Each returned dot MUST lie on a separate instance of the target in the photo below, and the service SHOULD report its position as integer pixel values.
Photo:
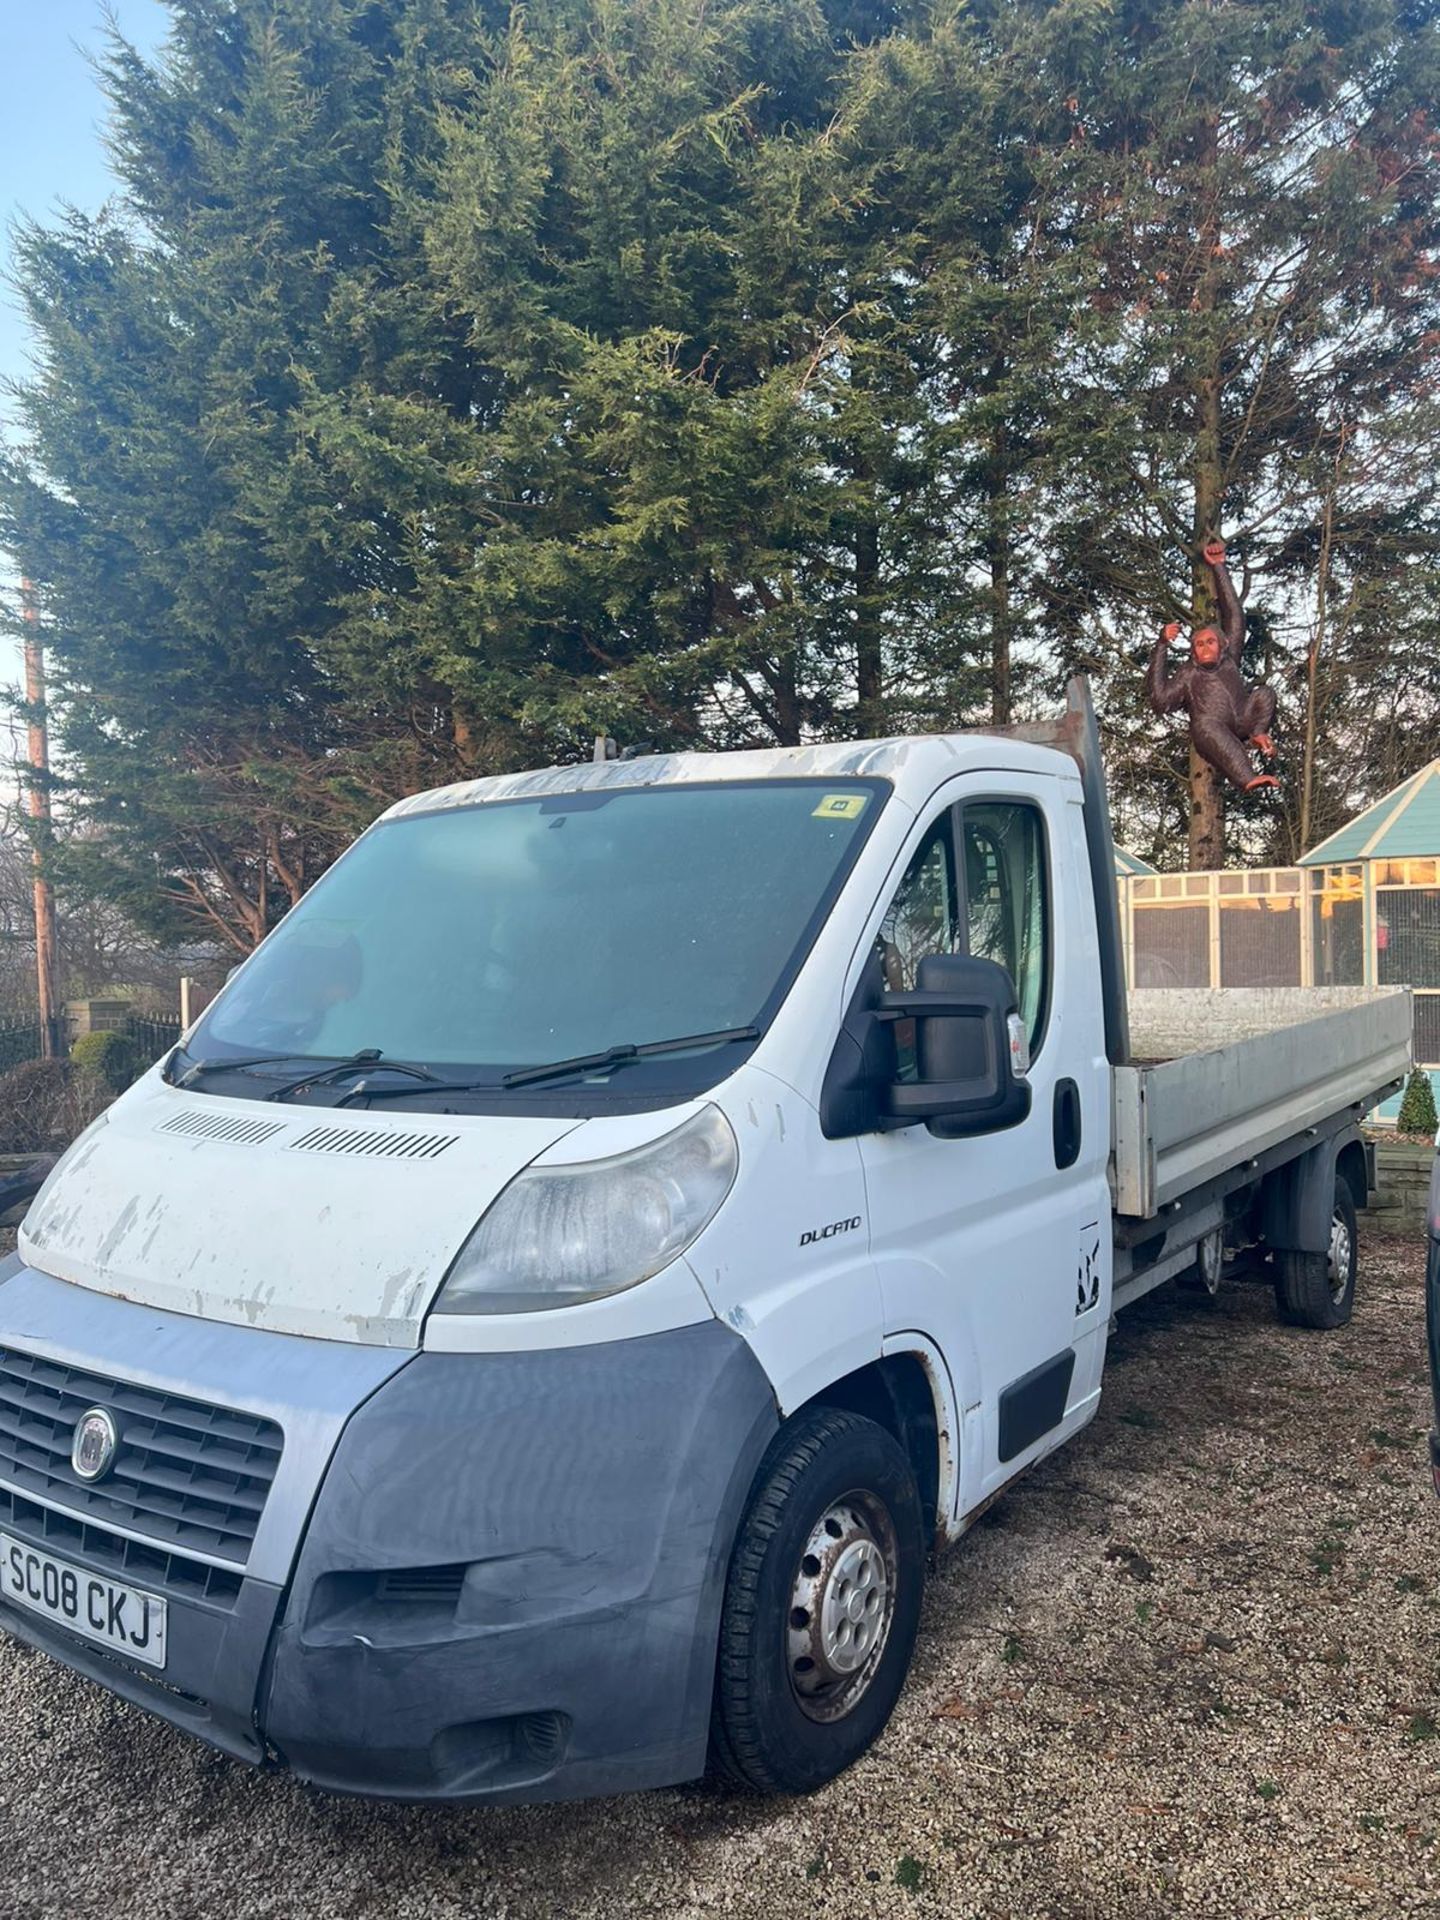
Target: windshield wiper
(432, 1086)
(618, 1056)
(357, 1063)
(198, 1067)
(611, 1057)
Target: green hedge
(1417, 1108)
(109, 1055)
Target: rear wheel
(1318, 1289)
(822, 1603)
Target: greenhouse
(1360, 909)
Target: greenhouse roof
(1406, 822)
(1130, 865)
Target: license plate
(123, 1618)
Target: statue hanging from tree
(1227, 717)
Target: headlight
(560, 1235)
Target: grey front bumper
(511, 1586)
(477, 1577)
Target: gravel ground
(1191, 1665)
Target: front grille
(186, 1475)
(128, 1560)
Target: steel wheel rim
(842, 1606)
(1341, 1254)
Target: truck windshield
(476, 940)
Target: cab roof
(914, 764)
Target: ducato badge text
(828, 1233)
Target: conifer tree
(453, 382)
(158, 498)
(1244, 202)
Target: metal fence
(19, 1040)
(152, 1034)
(1366, 923)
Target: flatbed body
(1222, 1077)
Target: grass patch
(1325, 1555)
(909, 1873)
(1330, 1548)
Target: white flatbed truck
(527, 1338)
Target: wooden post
(38, 800)
(186, 985)
(1207, 795)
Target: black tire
(784, 1722)
(1318, 1289)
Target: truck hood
(304, 1220)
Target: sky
(51, 120)
(51, 151)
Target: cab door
(997, 1247)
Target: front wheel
(822, 1604)
(1318, 1289)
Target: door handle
(1069, 1127)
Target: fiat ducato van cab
(528, 1337)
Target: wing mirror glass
(971, 1049)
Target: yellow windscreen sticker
(841, 806)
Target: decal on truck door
(1087, 1278)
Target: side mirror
(970, 1048)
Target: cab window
(992, 901)
(924, 916)
(1007, 899)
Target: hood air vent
(376, 1145)
(222, 1126)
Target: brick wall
(1403, 1171)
